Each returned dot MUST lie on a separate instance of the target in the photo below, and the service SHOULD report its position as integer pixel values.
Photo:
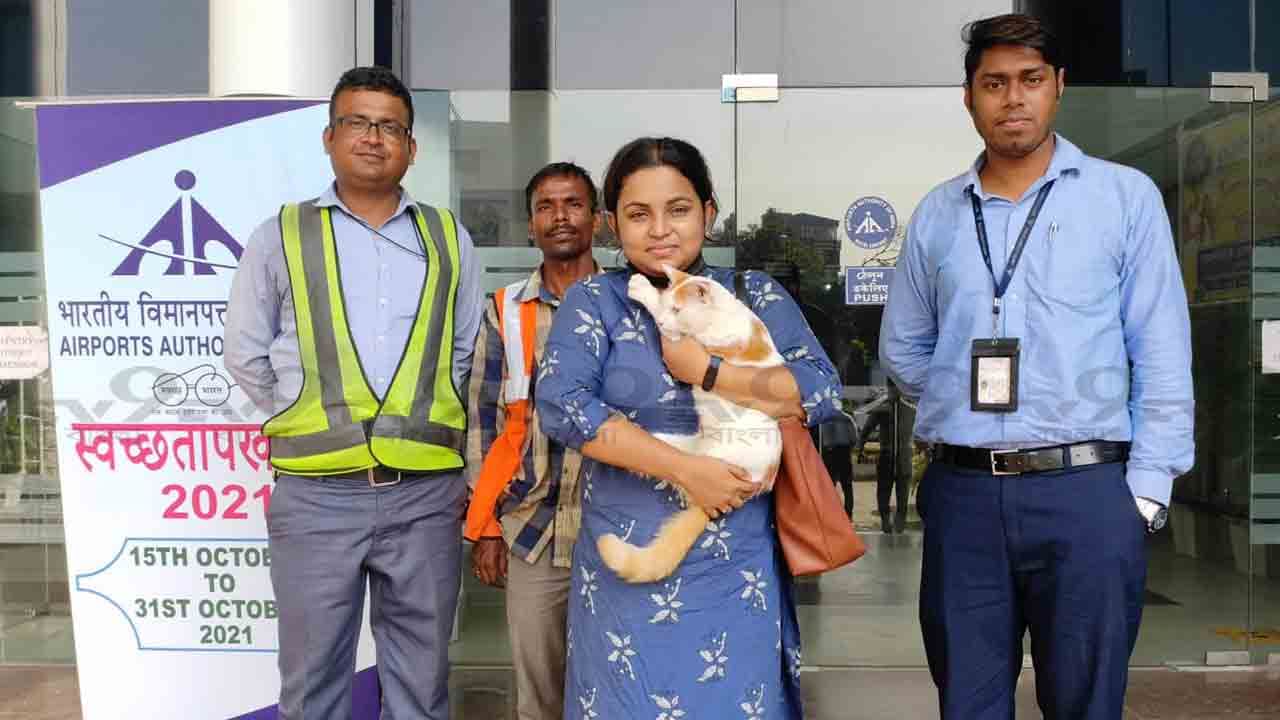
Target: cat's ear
(697, 290)
(675, 276)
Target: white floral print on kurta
(793, 663)
(670, 707)
(795, 354)
(763, 296)
(632, 330)
(753, 590)
(589, 588)
(825, 395)
(549, 363)
(718, 534)
(753, 706)
(668, 603)
(588, 703)
(621, 654)
(673, 495)
(669, 393)
(627, 530)
(573, 412)
(591, 330)
(715, 657)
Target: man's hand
(489, 561)
(686, 359)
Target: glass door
(1199, 578)
(1263, 533)
(35, 621)
(827, 179)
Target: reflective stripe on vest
(507, 451)
(420, 423)
(519, 367)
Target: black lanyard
(1003, 284)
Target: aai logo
(870, 223)
(185, 225)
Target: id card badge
(993, 382)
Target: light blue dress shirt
(382, 271)
(1097, 302)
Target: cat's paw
(642, 291)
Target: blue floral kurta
(717, 639)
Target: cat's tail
(661, 557)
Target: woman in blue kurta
(718, 638)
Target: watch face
(1159, 520)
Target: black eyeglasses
(360, 125)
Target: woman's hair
(647, 152)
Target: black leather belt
(377, 476)
(1032, 460)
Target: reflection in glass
(35, 621)
(1199, 581)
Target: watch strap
(713, 369)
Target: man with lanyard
(352, 319)
(1039, 317)
(528, 480)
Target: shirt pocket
(1075, 267)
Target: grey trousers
(328, 537)
(537, 615)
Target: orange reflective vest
(506, 453)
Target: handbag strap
(740, 286)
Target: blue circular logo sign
(870, 223)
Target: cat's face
(692, 305)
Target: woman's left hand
(686, 359)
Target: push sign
(867, 285)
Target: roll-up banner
(146, 207)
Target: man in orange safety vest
(524, 512)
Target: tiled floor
(861, 640)
(49, 693)
(865, 615)
(39, 693)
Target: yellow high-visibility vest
(337, 424)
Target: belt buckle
(995, 453)
(373, 479)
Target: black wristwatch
(1159, 520)
(713, 369)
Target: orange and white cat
(703, 309)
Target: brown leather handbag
(815, 534)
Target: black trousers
(886, 483)
(1060, 554)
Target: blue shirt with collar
(1096, 301)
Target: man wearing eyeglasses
(352, 321)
